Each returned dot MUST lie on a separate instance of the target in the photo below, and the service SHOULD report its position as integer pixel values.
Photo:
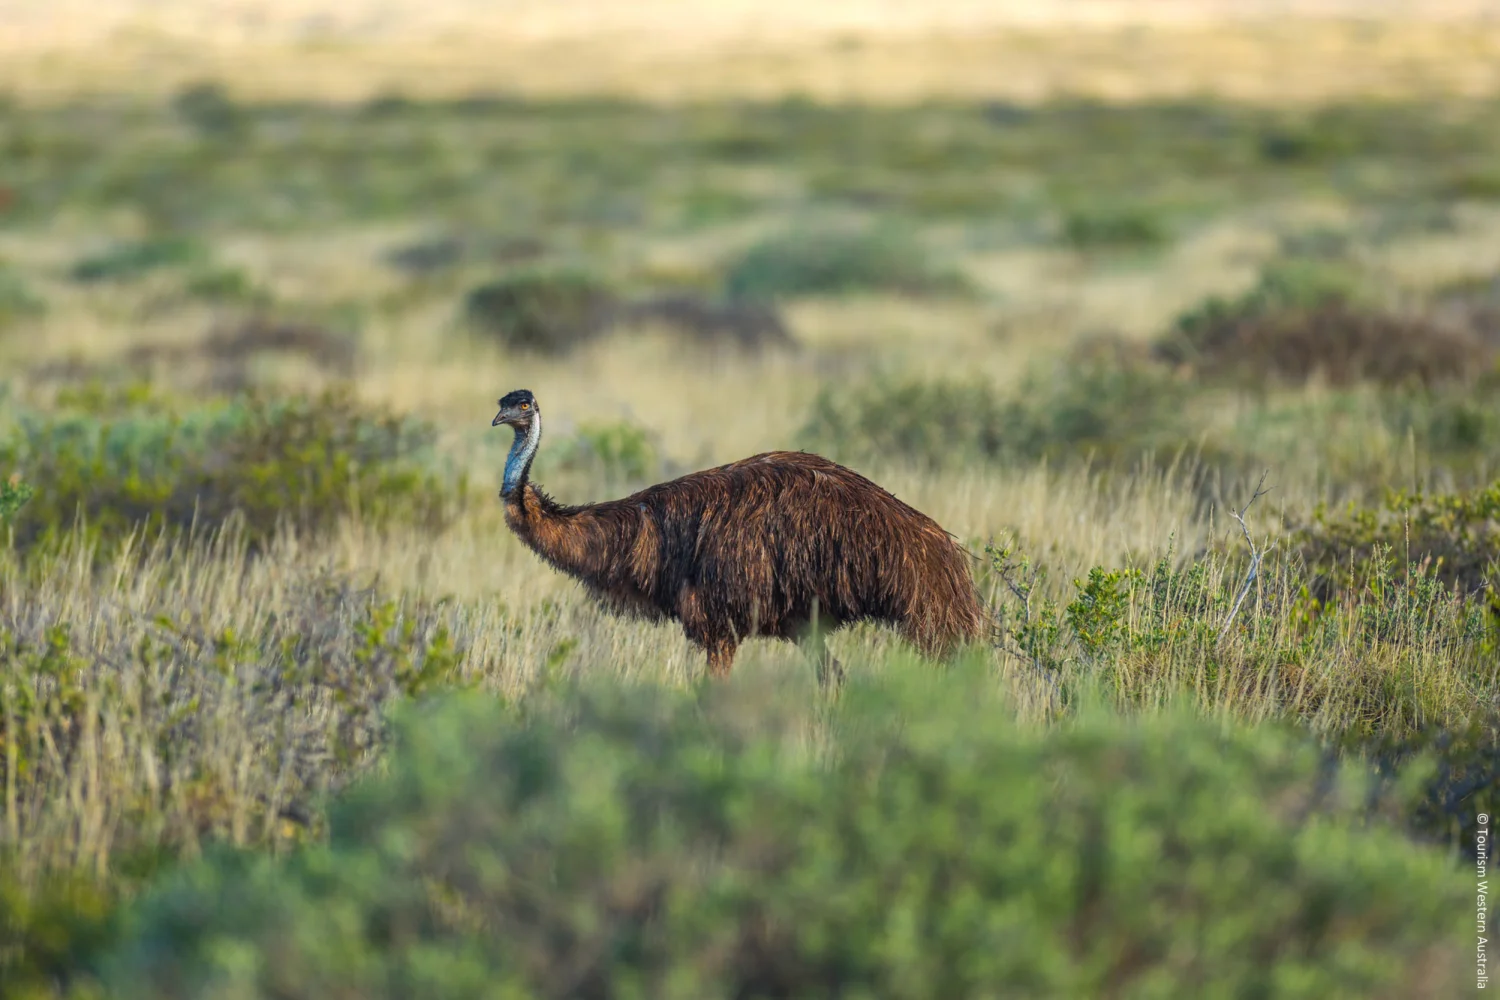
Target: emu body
(761, 547)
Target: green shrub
(244, 724)
(241, 734)
(836, 262)
(49, 933)
(14, 494)
(131, 260)
(1464, 782)
(1321, 137)
(127, 462)
(224, 284)
(635, 842)
(1453, 536)
(1284, 285)
(547, 310)
(1111, 225)
(1107, 410)
(1482, 184)
(207, 107)
(1472, 302)
(1380, 658)
(617, 453)
(17, 301)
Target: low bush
(209, 109)
(140, 730)
(1111, 412)
(131, 260)
(748, 325)
(17, 300)
(126, 462)
(14, 494)
(837, 262)
(50, 933)
(426, 256)
(1462, 761)
(629, 841)
(1385, 668)
(226, 285)
(1481, 184)
(1109, 225)
(232, 345)
(1473, 303)
(617, 454)
(1312, 317)
(931, 423)
(1343, 345)
(546, 310)
(1454, 537)
(221, 362)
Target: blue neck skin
(522, 451)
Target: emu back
(766, 545)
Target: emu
(782, 544)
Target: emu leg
(830, 671)
(719, 643)
(720, 657)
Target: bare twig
(1022, 592)
(1256, 554)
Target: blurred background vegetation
(285, 711)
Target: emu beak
(497, 421)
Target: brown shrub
(1342, 342)
(234, 344)
(749, 325)
(224, 351)
(1473, 304)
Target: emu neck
(545, 527)
(522, 452)
(573, 539)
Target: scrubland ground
(251, 339)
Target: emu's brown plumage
(756, 547)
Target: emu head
(517, 409)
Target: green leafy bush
(224, 284)
(1107, 410)
(241, 735)
(547, 310)
(126, 462)
(131, 260)
(1372, 658)
(50, 932)
(14, 494)
(636, 842)
(208, 108)
(1454, 537)
(745, 324)
(1482, 184)
(1330, 134)
(1114, 225)
(617, 453)
(1463, 761)
(237, 729)
(17, 301)
(837, 262)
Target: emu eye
(525, 406)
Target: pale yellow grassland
(1265, 59)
